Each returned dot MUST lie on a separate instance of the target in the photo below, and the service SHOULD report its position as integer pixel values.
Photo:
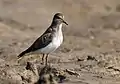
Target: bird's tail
(23, 53)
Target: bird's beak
(65, 22)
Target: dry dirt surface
(90, 53)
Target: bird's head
(59, 17)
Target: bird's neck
(56, 25)
(59, 27)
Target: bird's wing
(41, 42)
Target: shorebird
(50, 40)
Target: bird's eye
(59, 17)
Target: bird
(50, 40)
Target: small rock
(91, 58)
(79, 59)
(72, 72)
(46, 76)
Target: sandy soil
(91, 47)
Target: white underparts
(56, 42)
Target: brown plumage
(43, 42)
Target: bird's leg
(43, 59)
(46, 59)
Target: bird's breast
(57, 41)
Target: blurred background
(94, 27)
(88, 19)
(80, 14)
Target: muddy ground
(91, 47)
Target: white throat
(60, 28)
(60, 34)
